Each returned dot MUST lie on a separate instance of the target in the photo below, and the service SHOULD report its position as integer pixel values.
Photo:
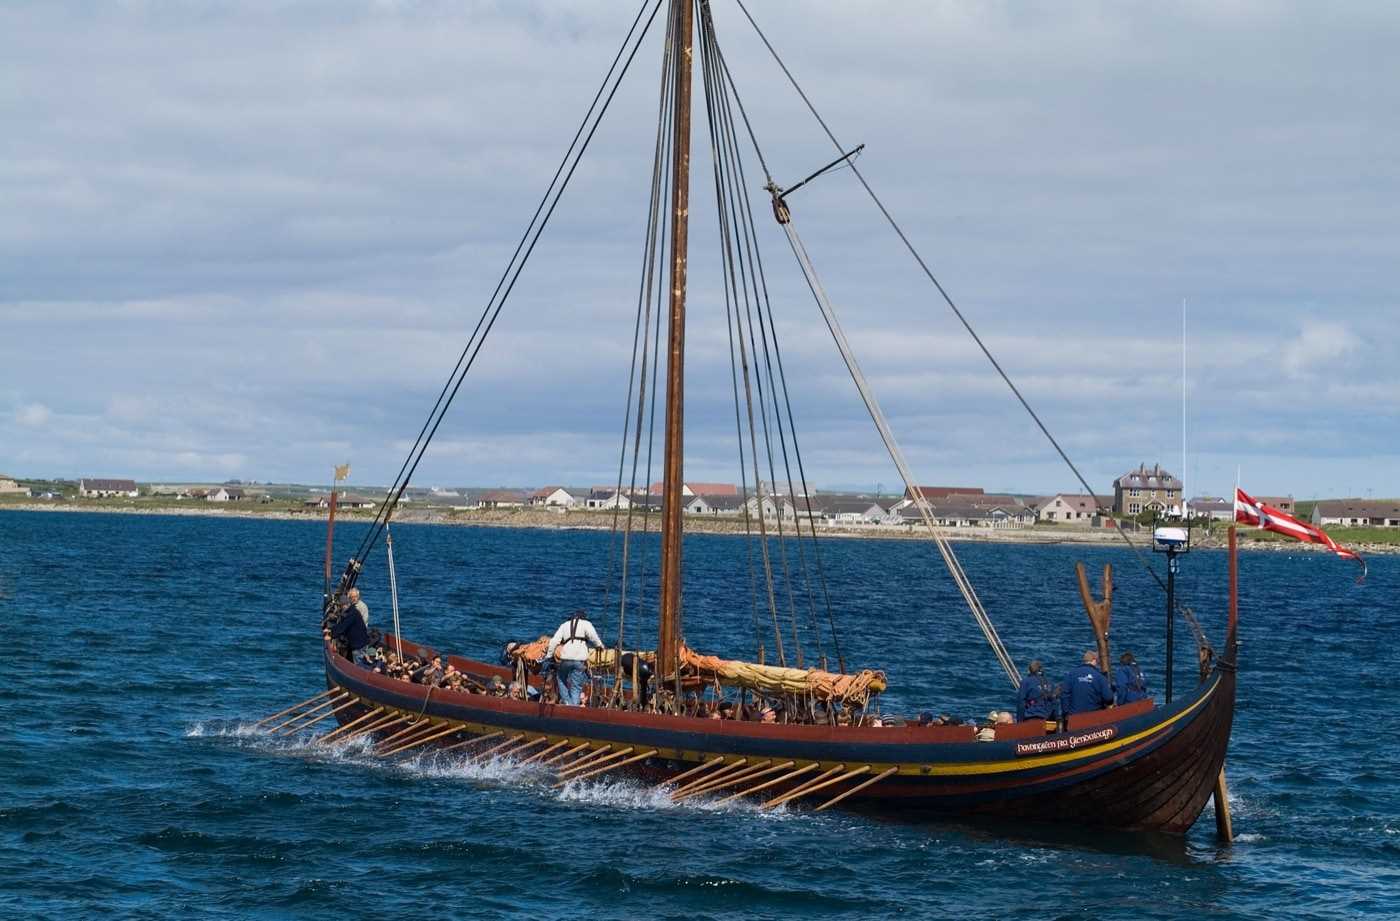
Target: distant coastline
(602, 521)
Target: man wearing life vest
(568, 650)
(1129, 684)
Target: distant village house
(553, 497)
(106, 489)
(501, 498)
(1078, 508)
(1357, 513)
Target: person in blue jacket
(1086, 688)
(1129, 684)
(1036, 698)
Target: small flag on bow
(342, 472)
(1249, 510)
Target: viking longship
(1147, 765)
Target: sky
(247, 240)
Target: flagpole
(1185, 513)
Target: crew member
(349, 630)
(571, 642)
(1086, 688)
(353, 602)
(1129, 684)
(643, 676)
(1036, 698)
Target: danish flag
(1251, 511)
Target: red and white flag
(1251, 511)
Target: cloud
(33, 415)
(254, 239)
(1320, 343)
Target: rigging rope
(899, 231)
(735, 325)
(944, 548)
(543, 212)
(641, 335)
(763, 304)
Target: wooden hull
(1138, 767)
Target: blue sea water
(140, 649)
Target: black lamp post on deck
(1173, 541)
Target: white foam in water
(221, 729)
(1250, 838)
(436, 765)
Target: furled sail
(770, 680)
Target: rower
(1036, 698)
(568, 649)
(1129, 684)
(1086, 688)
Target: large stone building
(1147, 490)
(8, 487)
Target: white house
(771, 506)
(553, 497)
(606, 497)
(501, 498)
(1077, 508)
(847, 510)
(1357, 513)
(102, 489)
(224, 494)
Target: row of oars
(571, 761)
(754, 778)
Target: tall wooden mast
(669, 639)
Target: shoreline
(602, 521)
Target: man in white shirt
(571, 642)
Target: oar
(554, 759)
(603, 770)
(781, 778)
(472, 741)
(762, 769)
(544, 752)
(326, 739)
(588, 759)
(803, 787)
(701, 768)
(453, 727)
(814, 787)
(414, 725)
(308, 712)
(857, 788)
(386, 720)
(343, 703)
(268, 719)
(569, 774)
(729, 768)
(490, 751)
(705, 786)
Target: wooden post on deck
(1224, 826)
(1100, 612)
